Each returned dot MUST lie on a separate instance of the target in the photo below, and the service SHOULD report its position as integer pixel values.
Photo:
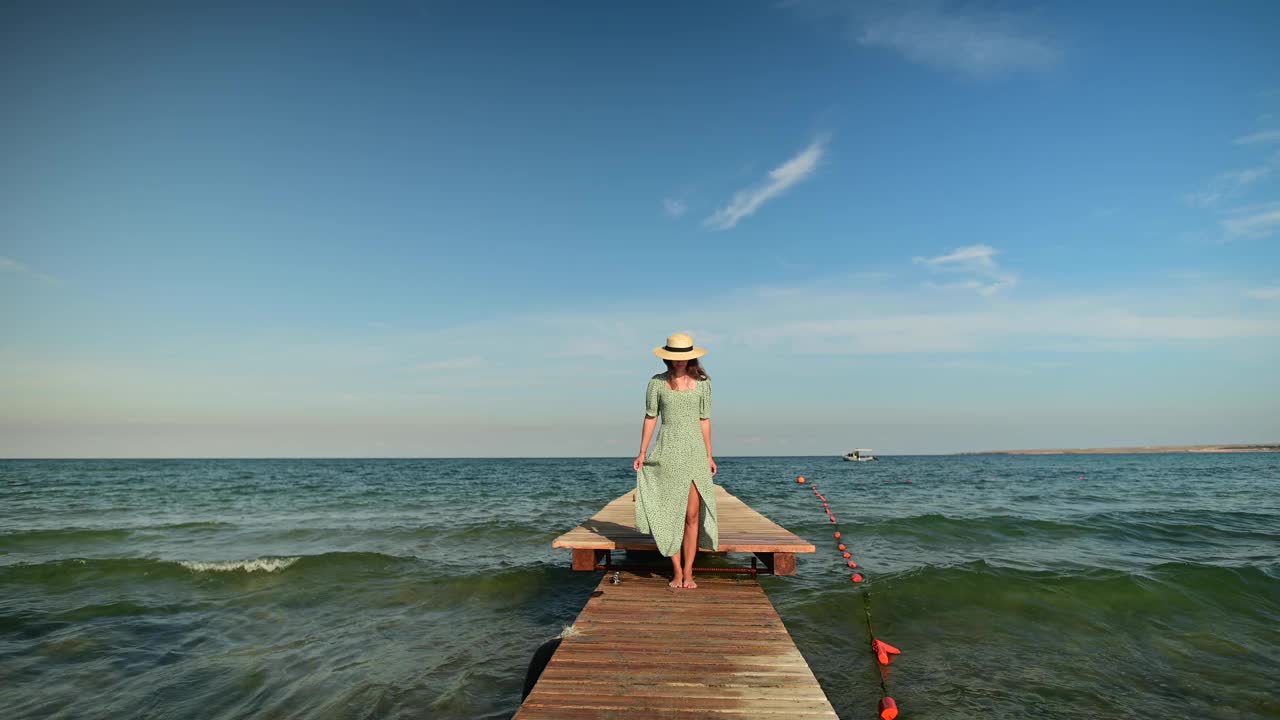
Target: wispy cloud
(978, 286)
(674, 207)
(1247, 176)
(987, 366)
(1226, 185)
(1265, 136)
(970, 257)
(1205, 199)
(746, 202)
(980, 45)
(974, 260)
(1269, 293)
(10, 265)
(462, 363)
(969, 40)
(1253, 224)
(877, 323)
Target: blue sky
(458, 229)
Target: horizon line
(1230, 448)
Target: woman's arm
(650, 420)
(645, 434)
(704, 418)
(707, 438)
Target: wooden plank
(742, 529)
(642, 650)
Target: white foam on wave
(257, 565)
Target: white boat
(859, 455)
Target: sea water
(1104, 586)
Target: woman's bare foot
(690, 584)
(678, 582)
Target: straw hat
(679, 347)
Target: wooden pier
(742, 530)
(641, 650)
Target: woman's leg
(690, 545)
(677, 576)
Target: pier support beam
(585, 559)
(779, 563)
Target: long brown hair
(694, 370)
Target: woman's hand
(635, 464)
(713, 465)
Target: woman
(675, 497)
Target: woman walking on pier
(675, 495)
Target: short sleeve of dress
(651, 399)
(704, 401)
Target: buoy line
(880, 650)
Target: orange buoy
(888, 708)
(837, 536)
(800, 479)
(847, 556)
(841, 546)
(853, 564)
(857, 577)
(883, 650)
(833, 518)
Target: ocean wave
(1177, 524)
(1181, 592)
(192, 525)
(934, 526)
(503, 533)
(20, 538)
(82, 535)
(1156, 584)
(1140, 526)
(255, 565)
(335, 565)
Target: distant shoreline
(1269, 447)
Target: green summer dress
(678, 458)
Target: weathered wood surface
(645, 651)
(741, 529)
